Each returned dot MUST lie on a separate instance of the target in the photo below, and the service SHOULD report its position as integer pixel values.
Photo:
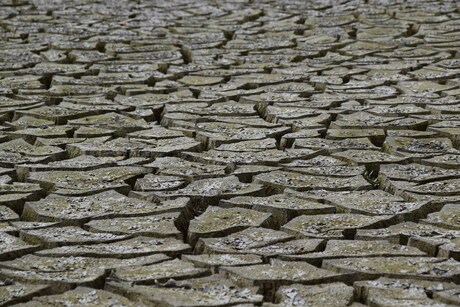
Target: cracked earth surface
(234, 153)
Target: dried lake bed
(229, 153)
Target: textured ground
(229, 153)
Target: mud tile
(14, 292)
(421, 147)
(6, 214)
(69, 235)
(213, 189)
(65, 273)
(336, 249)
(158, 225)
(328, 295)
(369, 157)
(278, 272)
(332, 146)
(82, 296)
(269, 157)
(283, 208)
(444, 161)
(173, 166)
(105, 205)
(86, 183)
(125, 249)
(219, 222)
(13, 247)
(152, 182)
(78, 163)
(416, 173)
(123, 124)
(427, 268)
(400, 233)
(448, 217)
(213, 262)
(159, 273)
(385, 291)
(279, 180)
(195, 292)
(378, 202)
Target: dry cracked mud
(229, 153)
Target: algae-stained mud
(235, 153)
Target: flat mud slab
(244, 153)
